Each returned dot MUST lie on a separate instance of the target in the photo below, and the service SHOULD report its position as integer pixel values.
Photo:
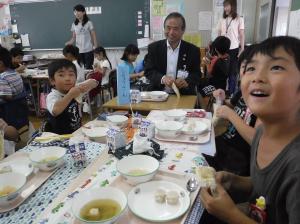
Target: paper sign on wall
(123, 84)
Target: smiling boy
(271, 89)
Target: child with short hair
(71, 53)
(233, 146)
(11, 84)
(271, 88)
(17, 59)
(102, 64)
(64, 115)
(217, 65)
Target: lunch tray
(183, 138)
(34, 181)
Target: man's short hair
(176, 15)
(59, 64)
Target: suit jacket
(156, 65)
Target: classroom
(149, 111)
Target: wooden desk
(185, 102)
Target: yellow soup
(101, 209)
(6, 190)
(138, 172)
(49, 159)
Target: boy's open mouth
(258, 93)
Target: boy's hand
(225, 179)
(220, 205)
(181, 83)
(21, 68)
(88, 85)
(74, 92)
(219, 94)
(224, 112)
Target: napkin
(154, 151)
(176, 90)
(61, 142)
(141, 144)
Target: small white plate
(95, 132)
(22, 166)
(152, 210)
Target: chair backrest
(113, 80)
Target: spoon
(192, 184)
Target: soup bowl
(138, 168)
(11, 185)
(48, 158)
(117, 120)
(106, 194)
(175, 114)
(168, 129)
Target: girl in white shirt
(85, 36)
(232, 26)
(102, 64)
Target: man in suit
(173, 60)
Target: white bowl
(175, 114)
(39, 157)
(158, 95)
(194, 127)
(89, 195)
(168, 129)
(12, 179)
(138, 168)
(97, 134)
(117, 120)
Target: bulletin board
(196, 32)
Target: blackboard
(295, 5)
(48, 23)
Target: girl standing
(84, 35)
(232, 26)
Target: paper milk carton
(147, 129)
(115, 139)
(135, 96)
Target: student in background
(17, 59)
(102, 64)
(84, 34)
(13, 103)
(233, 146)
(64, 115)
(129, 56)
(217, 65)
(11, 84)
(271, 88)
(71, 53)
(232, 26)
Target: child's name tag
(182, 74)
